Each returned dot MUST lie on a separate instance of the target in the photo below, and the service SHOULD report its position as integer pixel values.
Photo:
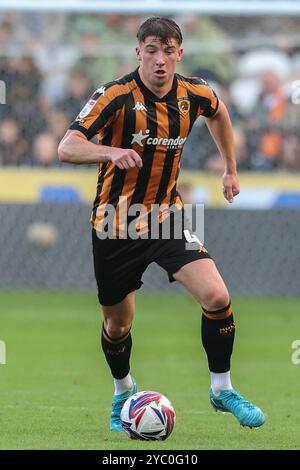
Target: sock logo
(227, 329)
(111, 352)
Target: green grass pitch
(56, 388)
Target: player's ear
(138, 53)
(179, 56)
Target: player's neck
(160, 92)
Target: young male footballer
(142, 121)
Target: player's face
(158, 60)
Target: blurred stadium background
(52, 56)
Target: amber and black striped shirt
(126, 114)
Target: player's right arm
(100, 112)
(76, 148)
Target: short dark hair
(163, 28)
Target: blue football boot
(117, 405)
(229, 401)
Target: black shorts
(120, 263)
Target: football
(148, 416)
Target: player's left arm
(220, 127)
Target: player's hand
(231, 186)
(125, 158)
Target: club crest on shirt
(184, 105)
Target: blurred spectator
(55, 61)
(23, 103)
(215, 162)
(28, 80)
(78, 91)
(13, 147)
(290, 160)
(268, 123)
(45, 150)
(6, 32)
(58, 122)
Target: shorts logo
(87, 109)
(172, 143)
(184, 105)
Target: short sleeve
(204, 96)
(209, 105)
(97, 113)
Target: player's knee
(217, 298)
(115, 329)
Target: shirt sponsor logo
(87, 109)
(172, 144)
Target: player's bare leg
(118, 318)
(202, 279)
(116, 345)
